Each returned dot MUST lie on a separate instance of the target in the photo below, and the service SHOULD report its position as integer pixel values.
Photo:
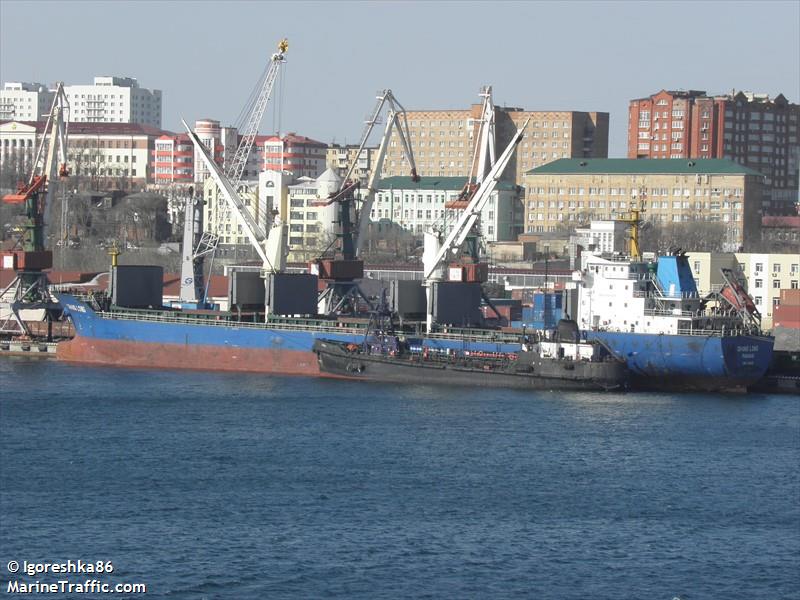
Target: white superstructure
(614, 293)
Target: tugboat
(564, 362)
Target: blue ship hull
(679, 362)
(185, 342)
(690, 362)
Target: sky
(206, 57)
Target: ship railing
(666, 295)
(641, 276)
(674, 312)
(137, 316)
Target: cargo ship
(650, 314)
(212, 340)
(563, 363)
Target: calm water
(231, 486)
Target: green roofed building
(572, 192)
(419, 206)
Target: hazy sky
(207, 56)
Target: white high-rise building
(23, 101)
(114, 100)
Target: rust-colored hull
(117, 353)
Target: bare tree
(700, 236)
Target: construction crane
(197, 241)
(395, 119)
(29, 257)
(436, 251)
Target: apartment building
(221, 142)
(340, 157)
(24, 101)
(766, 275)
(296, 153)
(443, 141)
(421, 206)
(311, 222)
(570, 192)
(752, 129)
(100, 155)
(113, 99)
(173, 160)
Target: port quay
(400, 299)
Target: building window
(759, 283)
(776, 267)
(776, 284)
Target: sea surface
(206, 485)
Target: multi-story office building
(752, 129)
(420, 206)
(570, 192)
(443, 141)
(339, 158)
(114, 100)
(99, 156)
(766, 275)
(23, 101)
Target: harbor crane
(197, 241)
(395, 120)
(30, 257)
(341, 271)
(436, 252)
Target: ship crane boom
(464, 224)
(250, 130)
(252, 229)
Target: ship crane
(197, 242)
(483, 157)
(341, 271)
(436, 252)
(269, 244)
(29, 258)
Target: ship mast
(633, 234)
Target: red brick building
(753, 130)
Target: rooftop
(650, 166)
(76, 128)
(433, 183)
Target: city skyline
(550, 56)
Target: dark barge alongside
(564, 363)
